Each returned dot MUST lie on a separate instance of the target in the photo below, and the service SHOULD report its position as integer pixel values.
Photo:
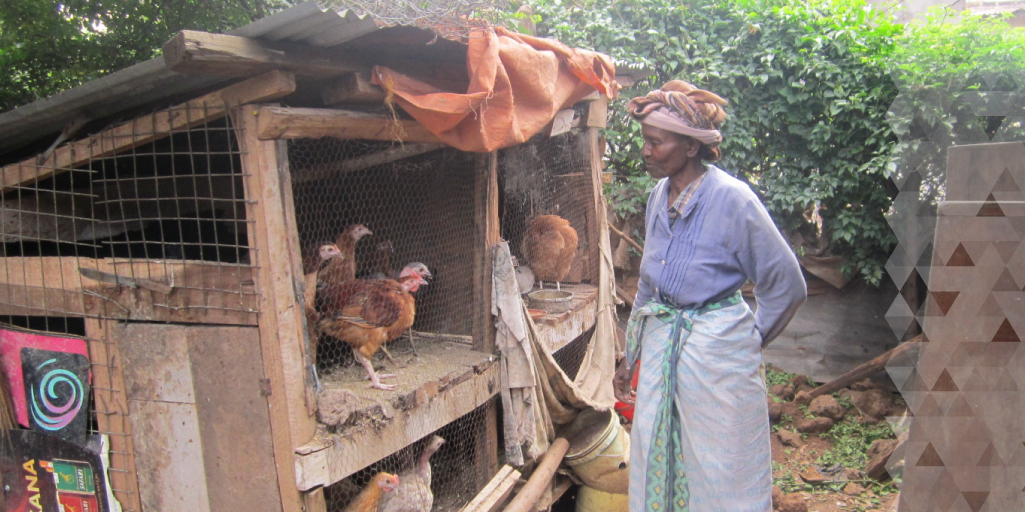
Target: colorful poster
(45, 474)
(49, 382)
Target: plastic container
(599, 451)
(590, 499)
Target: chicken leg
(375, 381)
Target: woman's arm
(768, 260)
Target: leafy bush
(808, 97)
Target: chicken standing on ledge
(550, 245)
(414, 494)
(367, 313)
(382, 484)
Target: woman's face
(666, 153)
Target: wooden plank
(200, 292)
(314, 123)
(334, 170)
(495, 493)
(353, 88)
(234, 423)
(192, 51)
(279, 282)
(158, 385)
(449, 382)
(597, 113)
(170, 456)
(111, 406)
(147, 128)
(558, 330)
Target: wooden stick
(865, 370)
(147, 128)
(455, 338)
(192, 51)
(314, 123)
(625, 298)
(131, 282)
(495, 493)
(625, 238)
(335, 169)
(535, 486)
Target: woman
(700, 439)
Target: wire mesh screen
(156, 231)
(547, 176)
(551, 176)
(143, 221)
(455, 477)
(415, 209)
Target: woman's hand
(621, 383)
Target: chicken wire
(124, 230)
(455, 478)
(552, 176)
(418, 209)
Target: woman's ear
(693, 147)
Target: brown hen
(367, 313)
(382, 484)
(550, 245)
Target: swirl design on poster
(46, 412)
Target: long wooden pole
(863, 371)
(535, 486)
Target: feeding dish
(552, 301)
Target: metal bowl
(552, 301)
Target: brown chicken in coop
(414, 493)
(550, 245)
(367, 313)
(379, 264)
(382, 484)
(347, 245)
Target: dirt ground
(820, 450)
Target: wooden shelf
(558, 330)
(447, 381)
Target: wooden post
(279, 277)
(111, 405)
(486, 213)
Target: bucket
(590, 499)
(599, 451)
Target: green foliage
(851, 441)
(775, 376)
(807, 101)
(46, 47)
(946, 66)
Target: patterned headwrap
(681, 108)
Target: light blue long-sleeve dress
(700, 439)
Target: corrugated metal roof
(149, 82)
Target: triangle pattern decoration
(1005, 283)
(990, 208)
(1006, 333)
(991, 308)
(960, 258)
(1006, 182)
(929, 457)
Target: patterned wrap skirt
(700, 438)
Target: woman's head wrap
(681, 108)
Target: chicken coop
(170, 215)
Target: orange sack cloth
(517, 84)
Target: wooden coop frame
(267, 312)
